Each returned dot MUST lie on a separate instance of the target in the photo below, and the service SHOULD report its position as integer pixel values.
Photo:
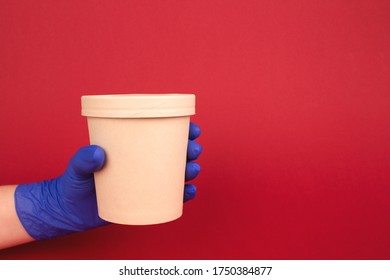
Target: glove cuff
(34, 208)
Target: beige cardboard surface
(142, 181)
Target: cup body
(142, 180)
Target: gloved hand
(68, 203)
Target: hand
(68, 203)
(192, 169)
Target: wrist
(12, 232)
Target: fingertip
(87, 160)
(194, 150)
(194, 131)
(196, 167)
(99, 157)
(198, 150)
(189, 192)
(192, 170)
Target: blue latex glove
(68, 203)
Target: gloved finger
(194, 131)
(193, 150)
(189, 192)
(86, 161)
(192, 170)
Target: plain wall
(293, 98)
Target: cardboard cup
(145, 139)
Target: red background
(293, 98)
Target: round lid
(138, 105)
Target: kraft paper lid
(138, 105)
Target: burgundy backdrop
(293, 98)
